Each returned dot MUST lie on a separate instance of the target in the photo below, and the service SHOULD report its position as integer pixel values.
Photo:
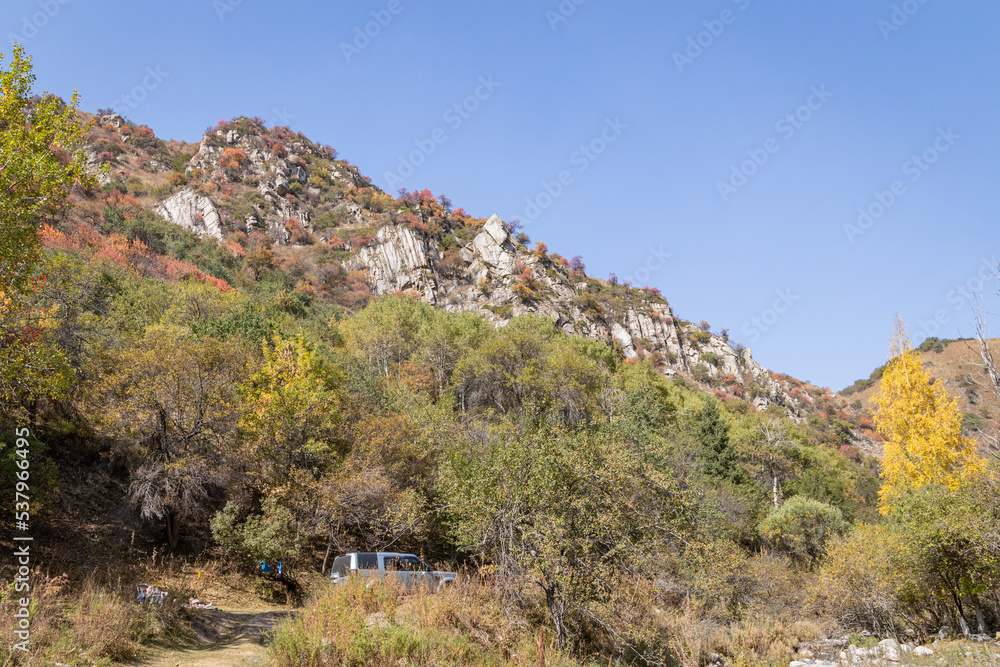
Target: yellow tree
(922, 425)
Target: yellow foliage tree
(922, 425)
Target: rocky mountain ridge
(246, 180)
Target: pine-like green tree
(718, 454)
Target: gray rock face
(398, 261)
(114, 119)
(402, 259)
(192, 211)
(494, 250)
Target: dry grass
(381, 625)
(96, 620)
(92, 625)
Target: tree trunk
(329, 548)
(774, 491)
(173, 530)
(979, 616)
(556, 607)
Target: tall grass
(382, 626)
(91, 625)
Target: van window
(367, 561)
(341, 565)
(412, 564)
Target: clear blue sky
(882, 88)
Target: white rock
(192, 211)
(398, 261)
(921, 651)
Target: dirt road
(228, 638)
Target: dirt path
(221, 639)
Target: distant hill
(955, 363)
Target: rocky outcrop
(494, 281)
(491, 252)
(399, 260)
(192, 211)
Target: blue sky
(718, 150)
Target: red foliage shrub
(180, 270)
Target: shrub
(273, 535)
(713, 359)
(864, 576)
(700, 336)
(232, 158)
(802, 526)
(180, 162)
(380, 626)
(701, 373)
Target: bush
(700, 373)
(802, 526)
(712, 358)
(274, 535)
(701, 336)
(865, 576)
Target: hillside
(344, 240)
(957, 364)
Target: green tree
(272, 536)
(41, 160)
(169, 399)
(718, 454)
(292, 410)
(40, 140)
(802, 526)
(386, 332)
(580, 516)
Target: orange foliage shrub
(233, 158)
(180, 270)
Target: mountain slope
(271, 197)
